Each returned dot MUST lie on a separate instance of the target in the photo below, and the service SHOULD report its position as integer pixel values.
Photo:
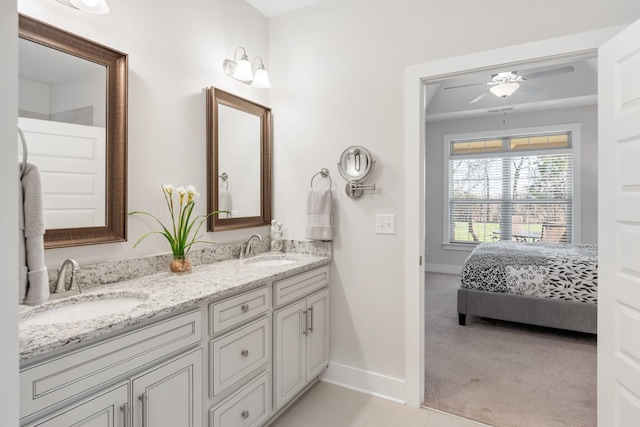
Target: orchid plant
(181, 234)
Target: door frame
(414, 112)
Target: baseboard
(370, 383)
(443, 268)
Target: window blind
(511, 194)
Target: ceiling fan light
(504, 89)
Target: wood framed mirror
(238, 162)
(85, 116)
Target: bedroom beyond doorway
(505, 374)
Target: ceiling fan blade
(531, 90)
(468, 85)
(479, 97)
(552, 72)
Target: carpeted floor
(505, 374)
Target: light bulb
(243, 70)
(261, 79)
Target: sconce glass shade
(243, 70)
(261, 78)
(504, 89)
(91, 6)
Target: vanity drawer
(69, 375)
(238, 354)
(233, 311)
(248, 408)
(299, 286)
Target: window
(515, 186)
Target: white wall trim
(414, 76)
(367, 382)
(443, 268)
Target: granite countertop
(163, 293)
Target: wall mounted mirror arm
(356, 166)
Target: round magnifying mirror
(356, 164)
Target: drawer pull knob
(245, 414)
(244, 353)
(245, 308)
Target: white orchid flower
(168, 188)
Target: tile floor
(327, 405)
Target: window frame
(574, 149)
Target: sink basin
(270, 261)
(83, 310)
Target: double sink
(89, 307)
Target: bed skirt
(549, 312)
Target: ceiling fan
(506, 83)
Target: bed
(545, 284)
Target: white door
(289, 352)
(619, 230)
(317, 334)
(72, 163)
(170, 395)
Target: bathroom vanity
(230, 344)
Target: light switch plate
(385, 224)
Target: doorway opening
(561, 90)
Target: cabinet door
(106, 409)
(171, 394)
(317, 334)
(289, 352)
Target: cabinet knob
(244, 353)
(245, 414)
(245, 308)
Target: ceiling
(272, 8)
(569, 89)
(561, 90)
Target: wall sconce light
(242, 70)
(91, 6)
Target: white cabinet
(169, 395)
(71, 386)
(301, 345)
(106, 409)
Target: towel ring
(324, 173)
(23, 166)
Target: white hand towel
(34, 285)
(224, 202)
(319, 212)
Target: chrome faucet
(62, 276)
(246, 249)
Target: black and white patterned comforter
(545, 270)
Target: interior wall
(337, 71)
(9, 215)
(174, 53)
(447, 260)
